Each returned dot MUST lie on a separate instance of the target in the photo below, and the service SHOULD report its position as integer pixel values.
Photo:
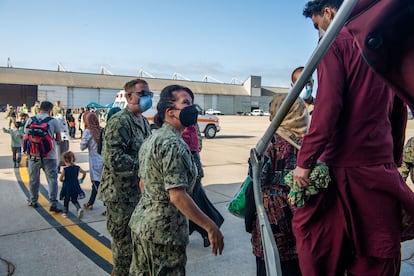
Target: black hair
(46, 106)
(316, 7)
(300, 68)
(167, 100)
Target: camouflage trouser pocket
(118, 215)
(157, 259)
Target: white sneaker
(80, 213)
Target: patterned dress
(95, 159)
(280, 159)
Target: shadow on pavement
(233, 136)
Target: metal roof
(88, 80)
(270, 91)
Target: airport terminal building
(74, 90)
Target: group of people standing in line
(149, 182)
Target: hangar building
(74, 90)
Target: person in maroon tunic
(357, 129)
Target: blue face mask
(306, 92)
(145, 103)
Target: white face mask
(321, 32)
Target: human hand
(141, 185)
(216, 240)
(301, 177)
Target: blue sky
(219, 38)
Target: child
(23, 119)
(16, 142)
(71, 189)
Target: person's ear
(170, 112)
(330, 13)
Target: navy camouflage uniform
(119, 189)
(159, 229)
(407, 166)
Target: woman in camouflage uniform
(159, 226)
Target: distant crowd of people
(150, 181)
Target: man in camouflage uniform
(58, 109)
(407, 165)
(35, 108)
(119, 189)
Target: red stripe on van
(198, 120)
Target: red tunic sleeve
(328, 106)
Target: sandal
(88, 206)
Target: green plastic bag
(238, 203)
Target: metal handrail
(271, 253)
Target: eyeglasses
(144, 93)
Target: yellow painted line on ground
(67, 223)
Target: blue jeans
(49, 166)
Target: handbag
(238, 204)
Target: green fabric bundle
(319, 178)
(238, 204)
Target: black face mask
(188, 115)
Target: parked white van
(208, 124)
(257, 112)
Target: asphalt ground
(39, 242)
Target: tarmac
(38, 242)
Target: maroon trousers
(355, 224)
